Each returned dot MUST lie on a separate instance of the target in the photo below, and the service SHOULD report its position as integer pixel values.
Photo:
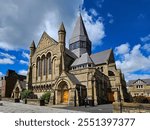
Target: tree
(26, 94)
(46, 97)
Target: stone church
(73, 74)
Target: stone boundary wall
(33, 101)
(125, 107)
(8, 99)
(28, 101)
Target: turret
(61, 40)
(62, 35)
(32, 49)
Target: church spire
(79, 42)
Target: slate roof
(79, 32)
(71, 54)
(73, 78)
(130, 82)
(84, 59)
(101, 57)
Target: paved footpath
(10, 107)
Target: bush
(26, 94)
(46, 97)
(140, 99)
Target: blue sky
(122, 25)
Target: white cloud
(23, 72)
(25, 55)
(24, 62)
(93, 12)
(131, 60)
(24, 21)
(110, 16)
(7, 55)
(1, 74)
(146, 38)
(130, 76)
(19, 25)
(6, 58)
(95, 28)
(134, 61)
(147, 47)
(122, 49)
(6, 46)
(6, 61)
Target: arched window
(49, 65)
(54, 66)
(43, 65)
(38, 67)
(110, 73)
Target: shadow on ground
(107, 108)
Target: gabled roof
(71, 54)
(131, 82)
(84, 59)
(101, 57)
(79, 32)
(50, 41)
(73, 78)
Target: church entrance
(65, 96)
(63, 93)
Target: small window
(110, 73)
(89, 65)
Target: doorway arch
(63, 93)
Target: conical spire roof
(62, 28)
(32, 44)
(79, 31)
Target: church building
(73, 74)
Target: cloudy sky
(122, 25)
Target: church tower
(79, 42)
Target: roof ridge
(102, 51)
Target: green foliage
(46, 97)
(26, 94)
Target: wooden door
(65, 96)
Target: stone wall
(124, 107)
